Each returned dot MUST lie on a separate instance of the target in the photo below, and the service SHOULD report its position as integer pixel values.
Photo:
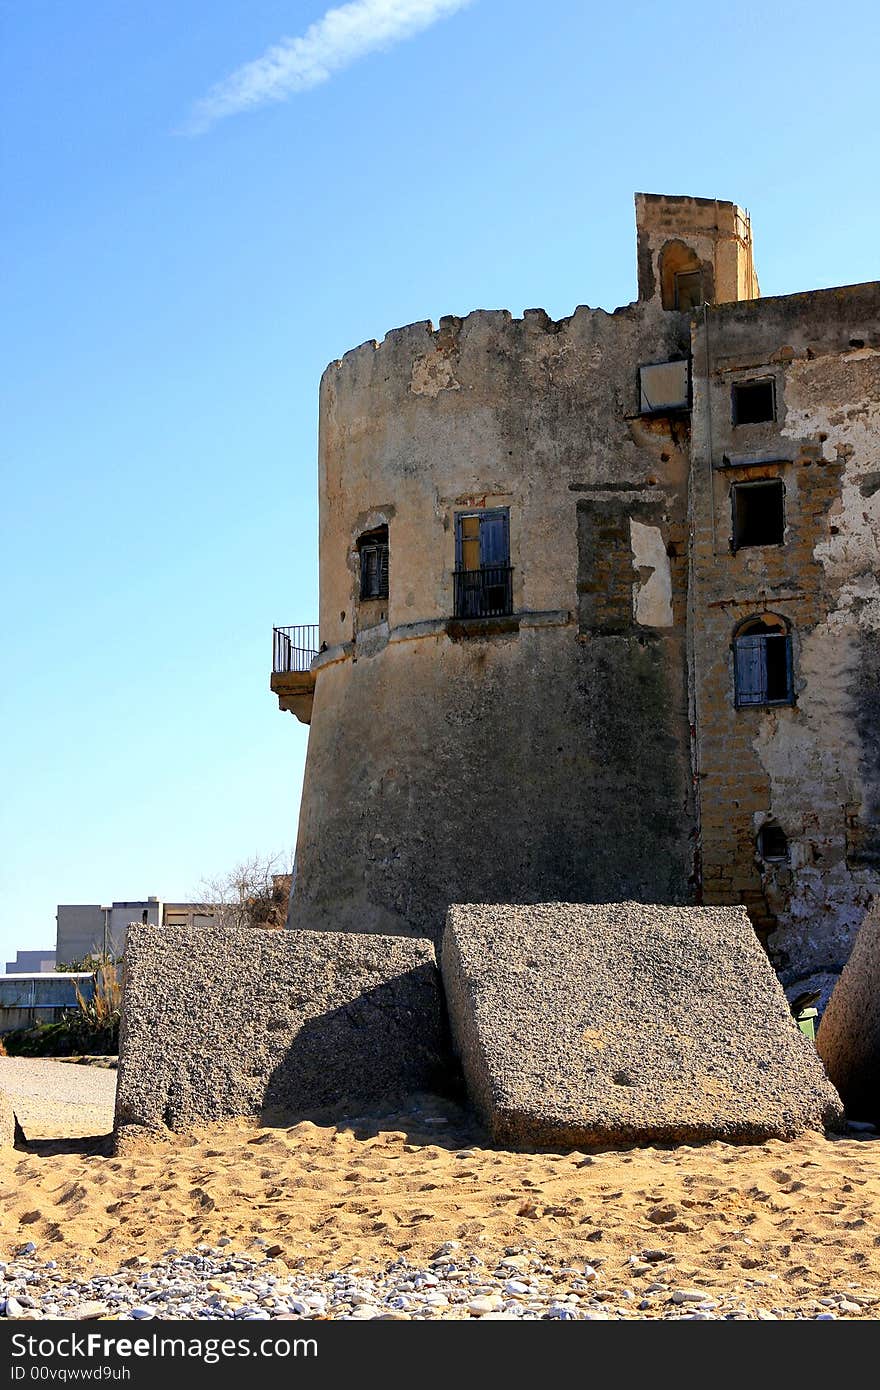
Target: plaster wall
(535, 756)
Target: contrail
(341, 36)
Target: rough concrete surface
(54, 1099)
(7, 1122)
(849, 1035)
(624, 1023)
(221, 1023)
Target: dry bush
(253, 894)
(105, 1005)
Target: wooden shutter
(382, 575)
(368, 570)
(494, 542)
(751, 670)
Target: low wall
(223, 1023)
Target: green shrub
(92, 1028)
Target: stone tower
(556, 559)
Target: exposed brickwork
(783, 763)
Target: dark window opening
(373, 548)
(145, 916)
(688, 289)
(762, 663)
(773, 844)
(483, 577)
(758, 513)
(754, 401)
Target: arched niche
(685, 280)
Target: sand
(782, 1222)
(52, 1097)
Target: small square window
(754, 401)
(758, 513)
(773, 844)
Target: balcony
(483, 593)
(293, 651)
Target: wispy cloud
(337, 39)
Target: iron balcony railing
(294, 648)
(483, 593)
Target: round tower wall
(537, 754)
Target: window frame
(472, 600)
(682, 405)
(745, 688)
(755, 484)
(735, 386)
(763, 854)
(694, 274)
(373, 543)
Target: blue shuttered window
(483, 586)
(763, 671)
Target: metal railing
(294, 648)
(483, 593)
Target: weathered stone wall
(540, 755)
(587, 747)
(717, 232)
(812, 767)
(220, 1023)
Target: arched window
(682, 280)
(772, 844)
(762, 662)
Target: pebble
(221, 1283)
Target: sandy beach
(780, 1224)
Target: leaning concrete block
(626, 1024)
(220, 1023)
(10, 1130)
(849, 1035)
(7, 1123)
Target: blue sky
(200, 213)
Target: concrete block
(10, 1130)
(222, 1023)
(624, 1023)
(848, 1040)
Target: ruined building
(600, 612)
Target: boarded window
(663, 386)
(373, 548)
(753, 401)
(758, 513)
(762, 663)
